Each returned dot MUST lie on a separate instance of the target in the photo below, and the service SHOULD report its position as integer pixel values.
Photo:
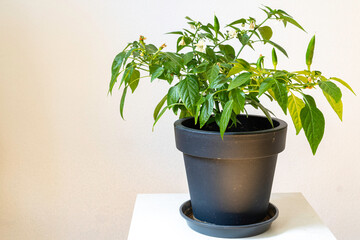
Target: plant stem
(217, 44)
(143, 69)
(219, 91)
(237, 55)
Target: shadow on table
(288, 220)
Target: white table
(157, 217)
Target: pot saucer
(228, 231)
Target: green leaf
(204, 56)
(159, 106)
(189, 92)
(281, 49)
(134, 80)
(313, 123)
(331, 89)
(153, 67)
(122, 101)
(257, 35)
(225, 117)
(343, 83)
(295, 105)
(206, 29)
(282, 12)
(267, 12)
(265, 111)
(159, 116)
(243, 63)
(116, 65)
(240, 80)
(157, 73)
(150, 48)
(228, 51)
(178, 45)
(265, 85)
(301, 79)
(266, 32)
(173, 95)
(238, 97)
(233, 118)
(127, 75)
(128, 54)
(112, 82)
(185, 39)
(174, 58)
(235, 69)
(115, 68)
(184, 113)
(268, 8)
(305, 72)
(240, 21)
(206, 110)
(198, 107)
(233, 27)
(292, 21)
(200, 68)
(281, 76)
(281, 97)
(213, 72)
(176, 32)
(244, 38)
(187, 31)
(222, 35)
(210, 52)
(218, 82)
(223, 96)
(217, 119)
(310, 52)
(337, 106)
(206, 35)
(188, 57)
(170, 67)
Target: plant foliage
(212, 82)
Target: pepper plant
(212, 81)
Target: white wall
(70, 168)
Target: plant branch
(237, 55)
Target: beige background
(70, 168)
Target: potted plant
(230, 156)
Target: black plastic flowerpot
(230, 180)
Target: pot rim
(282, 124)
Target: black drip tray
(228, 231)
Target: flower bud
(182, 42)
(162, 46)
(252, 25)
